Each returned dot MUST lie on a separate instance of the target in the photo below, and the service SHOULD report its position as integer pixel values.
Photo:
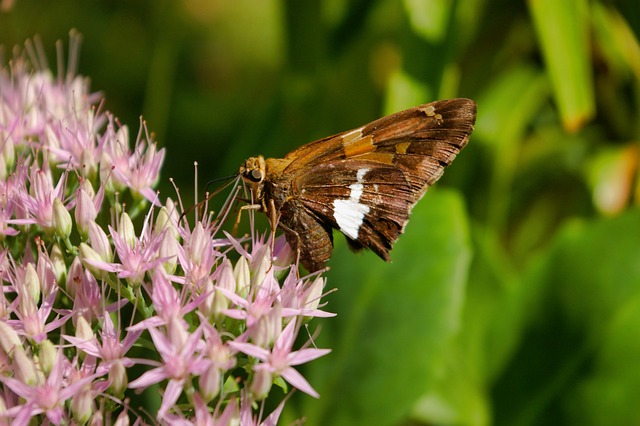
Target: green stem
(70, 247)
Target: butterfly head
(253, 172)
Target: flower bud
(311, 297)
(86, 186)
(88, 160)
(8, 156)
(32, 283)
(163, 222)
(83, 329)
(261, 384)
(111, 183)
(97, 419)
(242, 276)
(260, 265)
(100, 242)
(210, 383)
(4, 169)
(46, 274)
(23, 367)
(74, 277)
(85, 213)
(51, 138)
(267, 328)
(126, 230)
(169, 250)
(207, 306)
(87, 252)
(48, 355)
(82, 406)
(59, 267)
(283, 255)
(61, 219)
(226, 280)
(199, 242)
(123, 419)
(177, 333)
(3, 410)
(118, 379)
(9, 339)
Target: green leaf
(429, 19)
(617, 41)
(597, 268)
(404, 92)
(563, 32)
(394, 320)
(505, 112)
(498, 307)
(507, 107)
(578, 364)
(610, 394)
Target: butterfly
(363, 182)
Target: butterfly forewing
(449, 121)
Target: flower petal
(296, 379)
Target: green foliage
(511, 299)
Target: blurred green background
(514, 295)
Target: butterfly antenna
(206, 188)
(208, 195)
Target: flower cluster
(94, 310)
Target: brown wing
(366, 181)
(420, 141)
(307, 235)
(367, 201)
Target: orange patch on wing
(380, 157)
(401, 148)
(430, 111)
(354, 145)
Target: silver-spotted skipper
(363, 182)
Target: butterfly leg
(273, 221)
(290, 235)
(234, 231)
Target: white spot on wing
(349, 214)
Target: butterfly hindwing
(369, 202)
(307, 234)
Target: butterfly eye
(255, 175)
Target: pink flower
(138, 170)
(47, 397)
(69, 252)
(33, 315)
(203, 417)
(248, 418)
(281, 358)
(180, 360)
(137, 255)
(110, 348)
(39, 206)
(197, 255)
(167, 302)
